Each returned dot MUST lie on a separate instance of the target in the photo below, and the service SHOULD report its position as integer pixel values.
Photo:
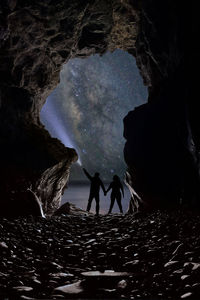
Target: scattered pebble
(157, 255)
(186, 295)
(74, 288)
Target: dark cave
(151, 254)
(162, 156)
(162, 145)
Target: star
(87, 108)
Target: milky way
(87, 108)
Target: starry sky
(87, 108)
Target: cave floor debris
(47, 258)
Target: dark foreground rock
(70, 209)
(47, 258)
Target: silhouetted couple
(96, 183)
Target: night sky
(87, 108)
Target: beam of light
(51, 119)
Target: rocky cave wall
(37, 37)
(162, 148)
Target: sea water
(78, 194)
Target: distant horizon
(87, 182)
(78, 195)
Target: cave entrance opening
(86, 112)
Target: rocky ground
(160, 252)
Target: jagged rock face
(36, 38)
(162, 148)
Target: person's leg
(119, 203)
(97, 204)
(112, 198)
(89, 202)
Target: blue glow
(55, 125)
(87, 108)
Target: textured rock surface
(162, 148)
(45, 257)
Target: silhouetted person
(96, 183)
(117, 189)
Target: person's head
(96, 174)
(116, 178)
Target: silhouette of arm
(87, 174)
(109, 188)
(122, 189)
(102, 186)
